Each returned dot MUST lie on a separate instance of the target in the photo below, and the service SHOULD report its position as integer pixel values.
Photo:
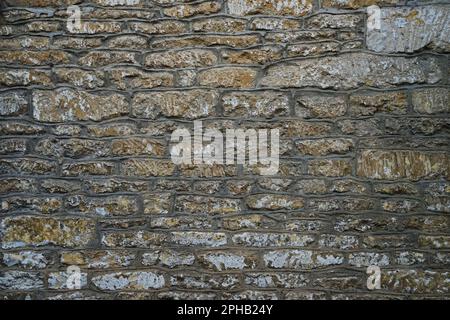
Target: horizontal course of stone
(86, 177)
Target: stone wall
(86, 177)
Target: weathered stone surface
(355, 4)
(267, 7)
(11, 146)
(24, 77)
(73, 148)
(334, 21)
(299, 128)
(373, 102)
(352, 70)
(190, 104)
(415, 281)
(414, 165)
(104, 58)
(93, 27)
(330, 167)
(262, 55)
(159, 203)
(265, 23)
(274, 202)
(188, 10)
(276, 280)
(132, 78)
(45, 205)
(344, 204)
(254, 221)
(433, 100)
(136, 146)
(254, 239)
(88, 168)
(87, 177)
(72, 105)
(74, 42)
(147, 167)
(21, 280)
(181, 223)
(194, 238)
(219, 24)
(204, 281)
(98, 259)
(181, 59)
(11, 185)
(105, 206)
(41, 3)
(224, 260)
(205, 170)
(130, 239)
(27, 166)
(343, 242)
(300, 259)
(60, 280)
(13, 103)
(228, 77)
(365, 259)
(162, 27)
(136, 280)
(114, 3)
(207, 205)
(80, 77)
(287, 37)
(27, 259)
(325, 146)
(435, 242)
(234, 41)
(411, 29)
(314, 49)
(254, 104)
(386, 241)
(128, 42)
(112, 130)
(396, 188)
(24, 231)
(309, 106)
(168, 258)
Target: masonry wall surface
(86, 177)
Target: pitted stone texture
(39, 231)
(188, 10)
(136, 280)
(353, 70)
(20, 280)
(207, 205)
(274, 202)
(181, 59)
(225, 260)
(190, 104)
(268, 7)
(392, 165)
(431, 101)
(228, 77)
(41, 3)
(13, 103)
(356, 4)
(72, 105)
(254, 104)
(411, 29)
